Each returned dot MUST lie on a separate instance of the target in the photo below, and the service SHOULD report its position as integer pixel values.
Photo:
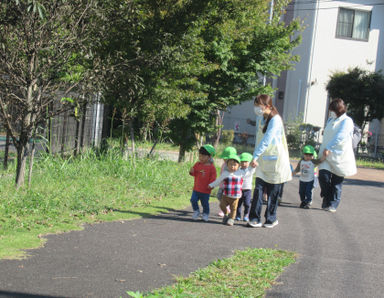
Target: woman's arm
(274, 127)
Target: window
(353, 24)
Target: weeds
(68, 192)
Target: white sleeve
(223, 175)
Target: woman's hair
(266, 100)
(338, 106)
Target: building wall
(322, 54)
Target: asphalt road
(338, 255)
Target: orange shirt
(204, 174)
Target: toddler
(224, 155)
(204, 173)
(246, 194)
(233, 182)
(306, 167)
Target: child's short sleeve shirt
(204, 175)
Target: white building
(338, 35)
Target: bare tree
(43, 50)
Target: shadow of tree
(363, 182)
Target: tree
(141, 39)
(242, 46)
(43, 57)
(362, 91)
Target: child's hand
(254, 164)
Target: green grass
(370, 164)
(248, 273)
(68, 192)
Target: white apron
(274, 166)
(341, 160)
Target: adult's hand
(326, 152)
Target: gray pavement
(338, 255)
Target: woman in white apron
(272, 159)
(338, 150)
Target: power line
(333, 7)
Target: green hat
(245, 156)
(234, 157)
(228, 151)
(211, 150)
(308, 149)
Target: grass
(66, 193)
(247, 273)
(364, 163)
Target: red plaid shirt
(232, 186)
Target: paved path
(338, 255)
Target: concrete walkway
(338, 255)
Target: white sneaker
(271, 225)
(196, 215)
(331, 209)
(254, 224)
(205, 216)
(230, 222)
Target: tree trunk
(132, 135)
(21, 161)
(153, 147)
(112, 120)
(181, 153)
(31, 159)
(219, 125)
(77, 138)
(6, 150)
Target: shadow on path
(363, 183)
(25, 295)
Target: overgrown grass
(246, 274)
(68, 192)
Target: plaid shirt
(232, 186)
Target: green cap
(308, 149)
(228, 151)
(245, 156)
(234, 157)
(211, 150)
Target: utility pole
(269, 22)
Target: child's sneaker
(238, 218)
(246, 218)
(225, 219)
(205, 216)
(230, 222)
(196, 215)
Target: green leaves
(362, 91)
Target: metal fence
(66, 133)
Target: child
(246, 196)
(233, 182)
(224, 155)
(306, 167)
(204, 173)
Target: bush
(227, 136)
